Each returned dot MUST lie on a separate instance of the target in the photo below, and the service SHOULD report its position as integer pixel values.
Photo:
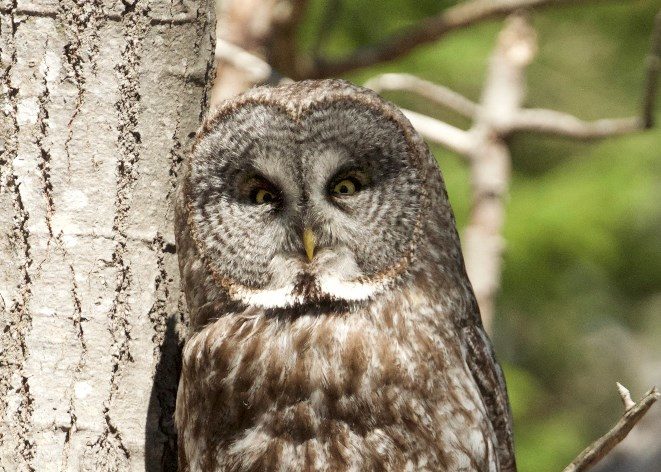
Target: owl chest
(350, 398)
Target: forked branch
(498, 114)
(602, 446)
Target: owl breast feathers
(332, 325)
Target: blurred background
(580, 299)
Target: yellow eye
(345, 187)
(263, 196)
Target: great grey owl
(332, 325)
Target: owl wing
(491, 383)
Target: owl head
(313, 193)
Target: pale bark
(99, 103)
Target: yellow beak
(309, 241)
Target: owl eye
(348, 184)
(261, 196)
(346, 187)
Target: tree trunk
(99, 103)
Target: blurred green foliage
(581, 292)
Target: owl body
(332, 323)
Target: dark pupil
(268, 198)
(344, 189)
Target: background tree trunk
(99, 103)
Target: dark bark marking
(19, 319)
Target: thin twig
(564, 124)
(602, 446)
(401, 43)
(437, 94)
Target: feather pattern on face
(332, 324)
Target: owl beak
(309, 241)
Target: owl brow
(243, 154)
(370, 157)
(253, 179)
(351, 170)
(363, 167)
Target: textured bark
(99, 102)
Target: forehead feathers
(305, 96)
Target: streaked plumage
(370, 356)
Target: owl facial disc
(304, 203)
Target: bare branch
(399, 44)
(564, 124)
(490, 160)
(504, 87)
(437, 94)
(256, 68)
(437, 131)
(653, 66)
(499, 113)
(602, 446)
